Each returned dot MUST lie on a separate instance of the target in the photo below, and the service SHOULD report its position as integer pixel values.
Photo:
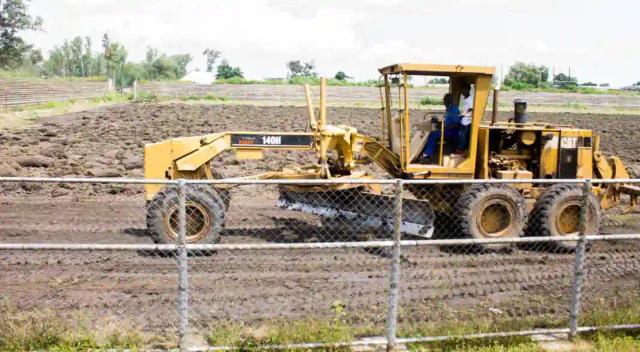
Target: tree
(106, 43)
(161, 66)
(13, 20)
(564, 82)
(341, 76)
(225, 71)
(180, 62)
(299, 69)
(637, 83)
(526, 75)
(35, 56)
(75, 58)
(76, 47)
(115, 60)
(212, 55)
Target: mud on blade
(362, 210)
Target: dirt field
(109, 142)
(140, 288)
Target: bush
(299, 80)
(530, 74)
(226, 71)
(519, 85)
(237, 80)
(430, 101)
(439, 80)
(209, 97)
(145, 97)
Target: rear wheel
(491, 211)
(204, 210)
(557, 213)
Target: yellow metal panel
(549, 155)
(436, 69)
(585, 157)
(157, 160)
(434, 170)
(185, 145)
(249, 154)
(406, 139)
(203, 154)
(483, 154)
(482, 88)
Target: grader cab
(516, 149)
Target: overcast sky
(597, 39)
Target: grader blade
(363, 210)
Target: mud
(139, 289)
(110, 141)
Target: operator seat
(419, 140)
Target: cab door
(568, 155)
(550, 145)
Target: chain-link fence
(285, 93)
(33, 91)
(299, 263)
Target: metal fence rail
(379, 281)
(293, 93)
(30, 91)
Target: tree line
(80, 57)
(526, 76)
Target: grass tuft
(430, 101)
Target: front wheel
(557, 213)
(204, 216)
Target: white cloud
(595, 38)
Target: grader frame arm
(190, 157)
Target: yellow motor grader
(516, 149)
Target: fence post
(183, 267)
(135, 89)
(392, 313)
(576, 289)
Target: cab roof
(437, 70)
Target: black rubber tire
(544, 216)
(203, 199)
(224, 193)
(225, 196)
(475, 202)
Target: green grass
(430, 101)
(36, 77)
(239, 80)
(281, 332)
(298, 81)
(209, 97)
(444, 322)
(576, 89)
(42, 330)
(287, 331)
(67, 104)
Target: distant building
(199, 77)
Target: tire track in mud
(262, 289)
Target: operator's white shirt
(468, 105)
